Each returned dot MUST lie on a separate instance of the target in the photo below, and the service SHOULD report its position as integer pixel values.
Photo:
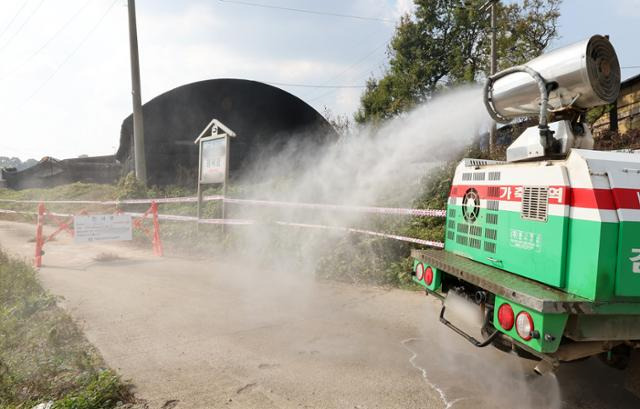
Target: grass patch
(43, 354)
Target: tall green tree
(447, 42)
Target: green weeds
(43, 354)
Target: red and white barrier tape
(363, 209)
(172, 217)
(55, 201)
(16, 212)
(193, 199)
(34, 213)
(188, 199)
(227, 221)
(368, 232)
(250, 222)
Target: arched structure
(263, 117)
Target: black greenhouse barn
(263, 117)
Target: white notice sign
(213, 160)
(102, 227)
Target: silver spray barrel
(582, 75)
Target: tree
(447, 42)
(340, 123)
(14, 162)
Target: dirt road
(205, 334)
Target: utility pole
(491, 6)
(138, 128)
(494, 68)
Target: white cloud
(403, 7)
(80, 110)
(627, 8)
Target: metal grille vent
(492, 218)
(493, 191)
(491, 234)
(462, 240)
(490, 247)
(475, 243)
(535, 203)
(451, 235)
(452, 224)
(467, 176)
(452, 212)
(479, 176)
(463, 228)
(494, 175)
(452, 200)
(475, 230)
(493, 205)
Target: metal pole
(199, 180)
(494, 67)
(138, 129)
(227, 142)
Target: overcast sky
(64, 64)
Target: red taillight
(419, 271)
(524, 325)
(428, 276)
(505, 317)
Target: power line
(297, 10)
(630, 67)
(284, 84)
(353, 65)
(13, 18)
(46, 44)
(75, 50)
(329, 92)
(24, 23)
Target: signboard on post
(214, 159)
(102, 227)
(213, 164)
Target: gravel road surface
(210, 334)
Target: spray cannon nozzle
(561, 84)
(576, 77)
(490, 98)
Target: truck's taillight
(505, 317)
(524, 325)
(428, 276)
(419, 271)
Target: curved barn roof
(260, 114)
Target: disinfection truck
(546, 245)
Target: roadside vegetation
(44, 357)
(353, 258)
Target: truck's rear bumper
(529, 293)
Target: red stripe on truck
(592, 198)
(605, 199)
(557, 194)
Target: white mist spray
(373, 167)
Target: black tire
(618, 357)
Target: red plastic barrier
(43, 213)
(65, 225)
(156, 242)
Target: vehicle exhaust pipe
(544, 367)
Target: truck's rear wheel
(632, 376)
(619, 357)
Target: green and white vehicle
(547, 243)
